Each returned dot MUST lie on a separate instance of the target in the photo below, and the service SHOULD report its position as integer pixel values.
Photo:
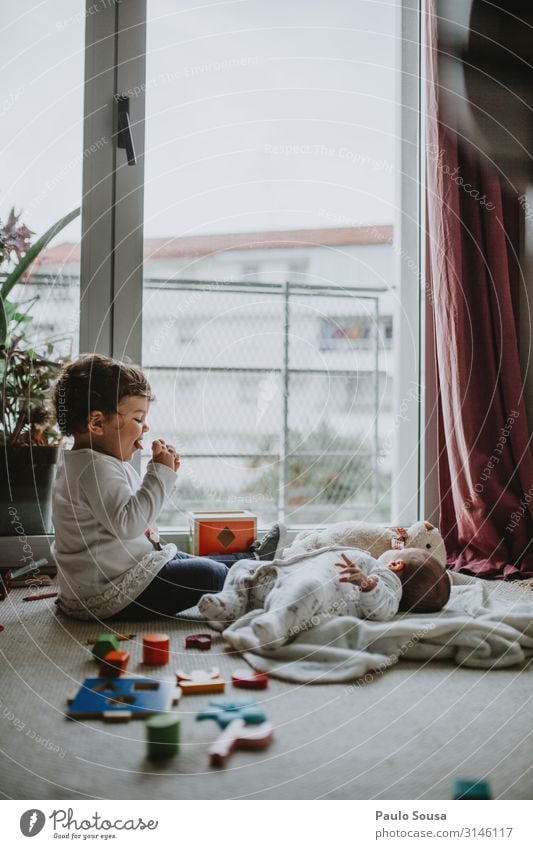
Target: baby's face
(394, 559)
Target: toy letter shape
(200, 681)
(198, 641)
(249, 679)
(240, 736)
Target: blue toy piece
(121, 698)
(470, 789)
(231, 704)
(224, 711)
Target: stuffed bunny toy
(374, 538)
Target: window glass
(42, 158)
(269, 295)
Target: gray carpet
(404, 735)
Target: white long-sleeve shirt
(100, 511)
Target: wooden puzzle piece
(198, 641)
(114, 664)
(200, 681)
(249, 712)
(239, 736)
(248, 679)
(121, 698)
(91, 641)
(231, 704)
(156, 649)
(162, 735)
(103, 645)
(470, 789)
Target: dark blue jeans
(180, 584)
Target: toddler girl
(102, 509)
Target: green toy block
(104, 644)
(162, 735)
(465, 788)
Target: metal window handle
(124, 136)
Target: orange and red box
(223, 532)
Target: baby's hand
(352, 574)
(165, 454)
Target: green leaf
(33, 252)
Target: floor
(406, 735)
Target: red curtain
(485, 462)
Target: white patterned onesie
(295, 594)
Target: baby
(332, 581)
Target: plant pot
(26, 477)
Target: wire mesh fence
(276, 395)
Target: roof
(205, 245)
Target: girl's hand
(176, 456)
(165, 454)
(352, 574)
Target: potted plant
(29, 442)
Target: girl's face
(120, 434)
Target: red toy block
(198, 641)
(156, 649)
(247, 679)
(114, 664)
(240, 736)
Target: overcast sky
(260, 114)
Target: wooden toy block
(162, 736)
(248, 679)
(156, 649)
(198, 641)
(222, 532)
(200, 681)
(249, 712)
(114, 664)
(103, 645)
(470, 789)
(239, 736)
(120, 637)
(121, 698)
(230, 704)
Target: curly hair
(94, 382)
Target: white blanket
(485, 624)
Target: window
(274, 237)
(42, 158)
